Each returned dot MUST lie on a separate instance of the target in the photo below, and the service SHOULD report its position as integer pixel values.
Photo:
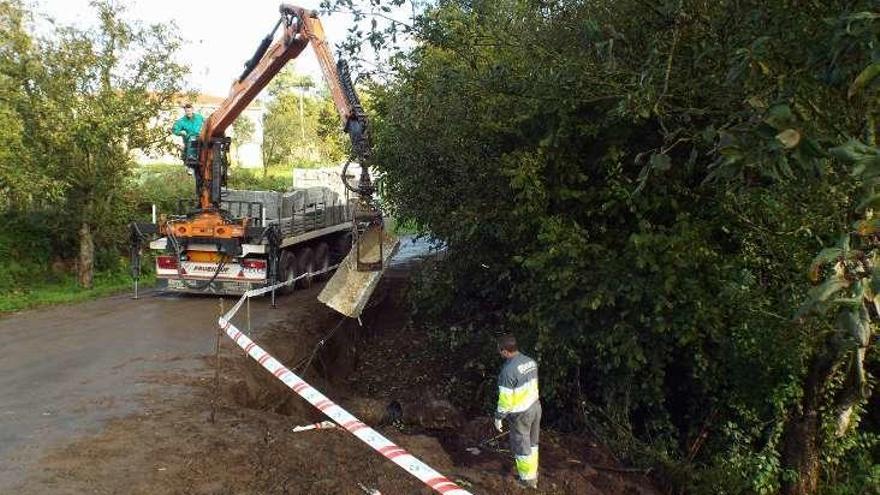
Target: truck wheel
(306, 259)
(322, 260)
(287, 269)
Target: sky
(219, 35)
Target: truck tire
(322, 260)
(306, 263)
(287, 269)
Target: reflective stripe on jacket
(517, 385)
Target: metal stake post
(215, 398)
(249, 311)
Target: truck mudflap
(349, 289)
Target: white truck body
(313, 223)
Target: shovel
(353, 283)
(486, 443)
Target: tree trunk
(802, 436)
(86, 265)
(801, 454)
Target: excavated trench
(297, 344)
(323, 348)
(332, 367)
(381, 372)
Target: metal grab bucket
(349, 289)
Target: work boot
(533, 484)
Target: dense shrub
(637, 191)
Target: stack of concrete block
(287, 208)
(301, 199)
(236, 201)
(291, 202)
(330, 177)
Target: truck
(229, 241)
(310, 231)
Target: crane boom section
(300, 28)
(315, 33)
(243, 92)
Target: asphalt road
(65, 370)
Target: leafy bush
(161, 185)
(249, 179)
(637, 193)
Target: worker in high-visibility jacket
(519, 405)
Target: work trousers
(525, 430)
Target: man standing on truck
(188, 127)
(519, 404)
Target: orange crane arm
(353, 117)
(301, 27)
(315, 33)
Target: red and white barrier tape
(343, 418)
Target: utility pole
(302, 120)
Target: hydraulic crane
(210, 224)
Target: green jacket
(188, 128)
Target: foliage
(242, 133)
(379, 29)
(334, 143)
(297, 127)
(20, 179)
(636, 189)
(247, 179)
(164, 186)
(25, 246)
(84, 99)
(31, 273)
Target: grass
(401, 228)
(66, 290)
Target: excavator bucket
(352, 285)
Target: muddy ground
(166, 443)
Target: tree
(847, 278)
(242, 132)
(23, 180)
(91, 96)
(640, 207)
(280, 124)
(334, 143)
(295, 124)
